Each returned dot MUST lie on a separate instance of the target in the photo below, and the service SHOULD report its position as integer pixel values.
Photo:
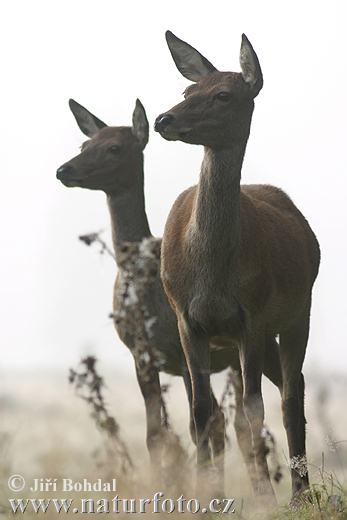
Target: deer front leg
(251, 358)
(188, 387)
(150, 388)
(197, 353)
(217, 430)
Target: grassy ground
(46, 431)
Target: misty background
(56, 293)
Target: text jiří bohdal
(68, 484)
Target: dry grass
(47, 431)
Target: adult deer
(238, 263)
(112, 161)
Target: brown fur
(238, 263)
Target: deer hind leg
(292, 352)
(272, 370)
(243, 430)
(251, 358)
(217, 437)
(272, 363)
(150, 388)
(196, 350)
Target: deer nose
(162, 122)
(64, 170)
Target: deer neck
(128, 217)
(216, 221)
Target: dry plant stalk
(139, 265)
(226, 403)
(271, 445)
(322, 406)
(89, 386)
(94, 238)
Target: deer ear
(140, 128)
(191, 64)
(250, 66)
(88, 123)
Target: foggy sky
(56, 293)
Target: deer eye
(114, 148)
(223, 96)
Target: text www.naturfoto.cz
(121, 505)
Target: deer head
(218, 107)
(111, 160)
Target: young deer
(238, 263)
(112, 161)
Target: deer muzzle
(169, 128)
(68, 175)
(162, 122)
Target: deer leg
(272, 363)
(243, 431)
(217, 437)
(272, 370)
(197, 353)
(150, 388)
(188, 386)
(292, 352)
(217, 430)
(251, 358)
